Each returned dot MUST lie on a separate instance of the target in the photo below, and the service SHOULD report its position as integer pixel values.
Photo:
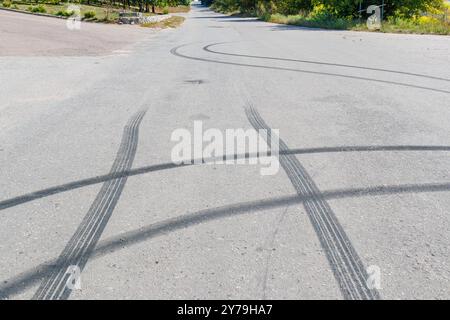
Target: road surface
(92, 206)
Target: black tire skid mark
(80, 235)
(175, 52)
(9, 203)
(343, 258)
(121, 241)
(83, 242)
(208, 49)
(106, 204)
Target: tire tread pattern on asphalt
(342, 257)
(83, 242)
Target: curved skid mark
(345, 262)
(208, 49)
(9, 203)
(82, 243)
(175, 51)
(32, 276)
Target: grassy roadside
(172, 22)
(105, 14)
(92, 13)
(422, 25)
(418, 25)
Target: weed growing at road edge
(172, 22)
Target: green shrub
(320, 20)
(65, 13)
(89, 15)
(337, 8)
(6, 3)
(227, 5)
(166, 10)
(422, 24)
(37, 9)
(398, 15)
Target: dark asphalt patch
(196, 81)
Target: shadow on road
(9, 203)
(32, 276)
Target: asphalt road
(86, 177)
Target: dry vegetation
(172, 22)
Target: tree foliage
(142, 5)
(337, 8)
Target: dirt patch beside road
(28, 35)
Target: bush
(166, 10)
(6, 4)
(227, 5)
(337, 8)
(424, 20)
(38, 9)
(65, 13)
(418, 25)
(398, 15)
(323, 21)
(89, 15)
(291, 7)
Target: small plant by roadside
(166, 10)
(89, 15)
(421, 25)
(6, 4)
(37, 9)
(311, 21)
(65, 13)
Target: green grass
(37, 9)
(311, 22)
(101, 14)
(177, 9)
(430, 26)
(319, 18)
(423, 25)
(91, 13)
